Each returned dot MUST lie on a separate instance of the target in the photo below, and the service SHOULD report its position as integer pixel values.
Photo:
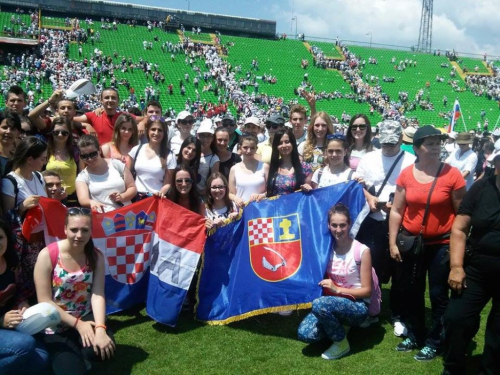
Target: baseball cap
(390, 132)
(252, 120)
(425, 132)
(496, 133)
(206, 127)
(288, 124)
(183, 115)
(495, 153)
(276, 119)
(228, 116)
(452, 135)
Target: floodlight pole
(295, 18)
(189, 5)
(371, 36)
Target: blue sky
(458, 24)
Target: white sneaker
(400, 329)
(369, 321)
(337, 350)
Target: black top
(7, 291)
(225, 167)
(482, 204)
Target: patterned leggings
(327, 317)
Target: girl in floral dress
(70, 275)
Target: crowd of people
(422, 203)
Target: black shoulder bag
(415, 244)
(372, 191)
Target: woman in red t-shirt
(413, 186)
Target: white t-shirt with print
(328, 178)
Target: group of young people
(215, 171)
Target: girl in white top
(209, 161)
(153, 163)
(337, 163)
(104, 185)
(359, 139)
(218, 205)
(347, 289)
(312, 149)
(248, 179)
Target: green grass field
(265, 344)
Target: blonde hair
(310, 142)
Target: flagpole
(496, 124)
(463, 120)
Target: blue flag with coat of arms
(274, 256)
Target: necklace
(28, 182)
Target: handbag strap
(389, 173)
(426, 212)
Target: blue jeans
(21, 353)
(328, 316)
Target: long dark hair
(69, 141)
(122, 119)
(164, 150)
(275, 161)
(338, 137)
(173, 194)
(10, 253)
(367, 141)
(195, 163)
(31, 146)
(89, 249)
(210, 200)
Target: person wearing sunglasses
(229, 123)
(104, 185)
(184, 126)
(183, 192)
(69, 274)
(274, 123)
(21, 190)
(359, 138)
(312, 149)
(336, 169)
(64, 158)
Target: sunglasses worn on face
(221, 187)
(270, 125)
(64, 133)
(360, 127)
(89, 156)
(186, 180)
(79, 211)
(185, 122)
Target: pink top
(342, 269)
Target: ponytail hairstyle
(341, 209)
(89, 249)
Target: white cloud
(461, 24)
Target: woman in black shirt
(475, 266)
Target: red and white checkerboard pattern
(260, 231)
(128, 257)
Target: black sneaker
(406, 346)
(426, 354)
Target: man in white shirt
(375, 167)
(464, 158)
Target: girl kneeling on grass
(70, 275)
(348, 288)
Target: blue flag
(274, 256)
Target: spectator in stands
(359, 138)
(184, 125)
(286, 172)
(473, 278)
(273, 124)
(464, 158)
(484, 168)
(334, 313)
(153, 163)
(312, 149)
(407, 214)
(229, 123)
(190, 154)
(183, 193)
(19, 352)
(104, 184)
(247, 179)
(69, 274)
(226, 158)
(336, 169)
(407, 144)
(15, 99)
(125, 138)
(64, 158)
(10, 128)
(209, 161)
(379, 170)
(298, 119)
(22, 188)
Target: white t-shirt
(373, 168)
(328, 178)
(206, 164)
(465, 162)
(176, 143)
(248, 184)
(102, 185)
(221, 213)
(149, 172)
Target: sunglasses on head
(157, 118)
(89, 156)
(339, 136)
(64, 133)
(185, 122)
(79, 211)
(186, 180)
(273, 125)
(360, 127)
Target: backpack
(16, 188)
(376, 296)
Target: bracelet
(76, 322)
(101, 326)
